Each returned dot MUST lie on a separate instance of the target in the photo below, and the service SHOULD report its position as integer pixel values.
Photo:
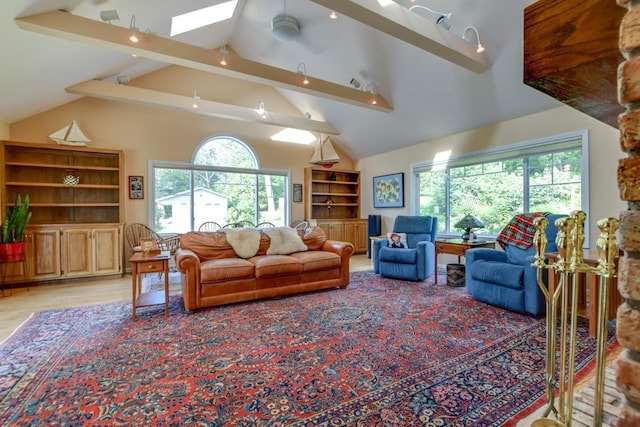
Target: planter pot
(11, 252)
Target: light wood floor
(17, 307)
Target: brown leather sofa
(213, 274)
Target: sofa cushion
(401, 256)
(284, 241)
(503, 274)
(275, 265)
(221, 270)
(244, 241)
(317, 260)
(313, 237)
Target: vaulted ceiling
(424, 88)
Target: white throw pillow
(284, 241)
(397, 240)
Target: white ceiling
(431, 97)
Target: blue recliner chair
(416, 262)
(505, 278)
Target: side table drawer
(150, 267)
(443, 247)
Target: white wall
(604, 154)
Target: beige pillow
(284, 241)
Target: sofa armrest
(345, 250)
(188, 263)
(485, 254)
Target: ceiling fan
(287, 28)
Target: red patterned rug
(381, 352)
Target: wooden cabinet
(332, 198)
(352, 231)
(73, 251)
(76, 198)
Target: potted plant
(18, 216)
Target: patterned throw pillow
(397, 240)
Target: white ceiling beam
(95, 33)
(412, 28)
(132, 94)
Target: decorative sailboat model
(70, 135)
(324, 154)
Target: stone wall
(628, 321)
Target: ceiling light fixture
(109, 16)
(333, 15)
(132, 26)
(122, 79)
(224, 52)
(302, 69)
(355, 83)
(444, 19)
(480, 48)
(196, 99)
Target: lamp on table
(468, 223)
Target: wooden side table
(459, 247)
(373, 243)
(141, 265)
(588, 300)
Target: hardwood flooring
(17, 307)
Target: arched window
(223, 184)
(225, 151)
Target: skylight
(295, 136)
(199, 18)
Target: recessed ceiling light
(295, 136)
(199, 18)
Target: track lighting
(196, 99)
(302, 69)
(355, 83)
(109, 16)
(122, 79)
(480, 48)
(261, 111)
(134, 30)
(224, 52)
(369, 89)
(444, 19)
(333, 15)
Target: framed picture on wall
(136, 188)
(297, 192)
(388, 191)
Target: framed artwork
(136, 188)
(297, 192)
(388, 191)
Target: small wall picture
(297, 192)
(136, 188)
(388, 191)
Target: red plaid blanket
(520, 231)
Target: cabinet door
(106, 250)
(42, 249)
(350, 232)
(76, 256)
(336, 231)
(362, 236)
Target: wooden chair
(300, 225)
(240, 224)
(209, 226)
(136, 231)
(265, 225)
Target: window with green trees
(547, 175)
(223, 184)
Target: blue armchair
(506, 278)
(416, 262)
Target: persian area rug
(381, 352)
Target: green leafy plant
(16, 220)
